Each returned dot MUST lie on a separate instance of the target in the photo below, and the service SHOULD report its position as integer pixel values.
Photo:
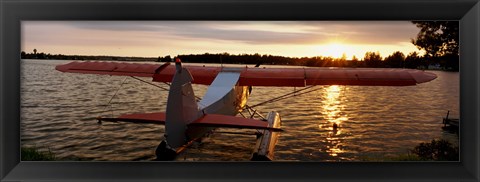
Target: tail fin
(182, 108)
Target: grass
(437, 150)
(33, 154)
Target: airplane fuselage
(223, 97)
(232, 103)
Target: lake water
(58, 112)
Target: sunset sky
(161, 38)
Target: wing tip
(423, 76)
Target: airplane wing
(153, 118)
(280, 77)
(111, 68)
(298, 77)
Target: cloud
(308, 32)
(164, 37)
(316, 33)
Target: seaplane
(188, 119)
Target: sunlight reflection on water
(332, 108)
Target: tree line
(42, 55)
(370, 60)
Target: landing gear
(257, 157)
(266, 142)
(164, 152)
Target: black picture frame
(12, 12)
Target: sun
(335, 50)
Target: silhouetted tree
(437, 38)
(440, 41)
(395, 60)
(354, 61)
(40, 56)
(354, 58)
(165, 59)
(373, 59)
(344, 57)
(413, 60)
(450, 62)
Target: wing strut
(302, 91)
(113, 96)
(166, 89)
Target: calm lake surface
(58, 112)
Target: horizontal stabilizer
(154, 118)
(216, 120)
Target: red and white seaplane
(187, 120)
